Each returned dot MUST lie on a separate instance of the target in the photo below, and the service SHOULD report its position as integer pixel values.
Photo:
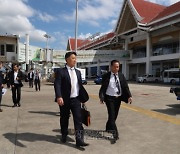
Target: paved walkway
(150, 125)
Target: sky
(57, 19)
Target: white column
(17, 55)
(137, 71)
(98, 67)
(148, 54)
(89, 71)
(126, 65)
(27, 49)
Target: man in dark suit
(15, 80)
(2, 81)
(68, 90)
(114, 89)
(37, 80)
(31, 78)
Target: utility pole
(46, 53)
(76, 26)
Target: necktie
(72, 81)
(117, 84)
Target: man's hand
(130, 100)
(60, 101)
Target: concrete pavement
(150, 125)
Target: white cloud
(113, 22)
(94, 11)
(164, 2)
(46, 17)
(61, 40)
(84, 36)
(14, 19)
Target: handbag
(85, 114)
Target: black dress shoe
(63, 139)
(81, 143)
(14, 105)
(116, 137)
(19, 104)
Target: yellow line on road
(149, 113)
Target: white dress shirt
(112, 88)
(36, 76)
(74, 82)
(31, 75)
(15, 76)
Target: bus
(172, 76)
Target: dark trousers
(37, 84)
(75, 106)
(113, 106)
(8, 83)
(30, 83)
(16, 94)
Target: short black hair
(68, 54)
(16, 64)
(114, 61)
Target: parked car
(148, 78)
(98, 80)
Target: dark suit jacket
(62, 85)
(19, 75)
(29, 76)
(124, 86)
(2, 80)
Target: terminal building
(150, 31)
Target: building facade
(150, 31)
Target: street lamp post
(47, 39)
(76, 26)
(46, 53)
(27, 52)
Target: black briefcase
(83, 95)
(85, 114)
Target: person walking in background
(37, 80)
(15, 80)
(7, 78)
(68, 90)
(1, 83)
(31, 78)
(114, 89)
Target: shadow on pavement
(6, 105)
(70, 131)
(30, 137)
(46, 112)
(173, 110)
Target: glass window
(165, 74)
(9, 47)
(2, 53)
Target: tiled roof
(147, 10)
(80, 42)
(168, 11)
(97, 41)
